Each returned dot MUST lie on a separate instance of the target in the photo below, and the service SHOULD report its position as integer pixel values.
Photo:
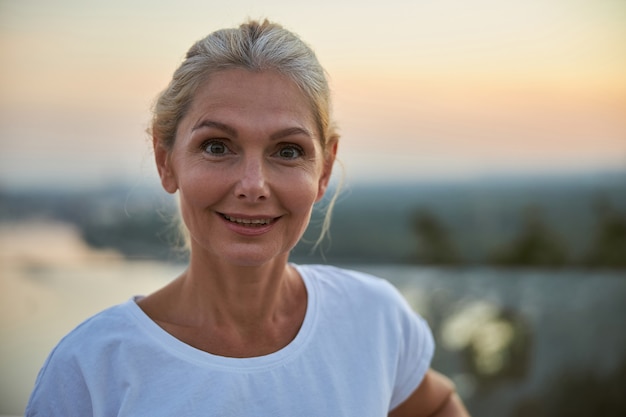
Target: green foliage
(537, 245)
(434, 244)
(609, 243)
(579, 394)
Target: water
(537, 338)
(508, 338)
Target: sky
(423, 90)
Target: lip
(248, 225)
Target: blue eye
(290, 152)
(215, 147)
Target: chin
(254, 258)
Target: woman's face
(248, 165)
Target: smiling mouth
(248, 222)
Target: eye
(215, 147)
(290, 151)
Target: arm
(435, 397)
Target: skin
(435, 397)
(248, 165)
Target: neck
(230, 310)
(241, 296)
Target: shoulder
(369, 312)
(367, 298)
(93, 335)
(111, 318)
(358, 291)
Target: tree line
(535, 245)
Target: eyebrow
(290, 131)
(215, 125)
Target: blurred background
(484, 154)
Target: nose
(252, 184)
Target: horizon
(585, 178)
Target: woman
(244, 134)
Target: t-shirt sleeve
(416, 351)
(60, 390)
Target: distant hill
(377, 223)
(540, 221)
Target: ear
(329, 161)
(164, 166)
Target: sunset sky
(423, 89)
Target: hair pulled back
(255, 46)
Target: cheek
(197, 188)
(304, 187)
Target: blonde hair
(255, 46)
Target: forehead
(266, 95)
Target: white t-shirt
(361, 351)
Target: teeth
(248, 221)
